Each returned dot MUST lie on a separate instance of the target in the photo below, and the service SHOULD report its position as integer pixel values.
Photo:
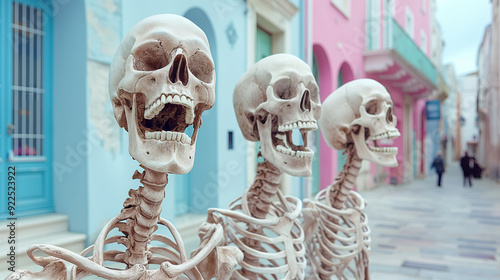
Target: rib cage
(340, 244)
(141, 214)
(275, 243)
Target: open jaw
(166, 119)
(283, 140)
(373, 145)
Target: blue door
(25, 112)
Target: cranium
(361, 112)
(161, 80)
(275, 96)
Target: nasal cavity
(179, 71)
(388, 117)
(305, 103)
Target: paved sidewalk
(420, 231)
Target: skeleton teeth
(385, 135)
(298, 154)
(299, 124)
(158, 105)
(189, 116)
(159, 108)
(280, 136)
(176, 99)
(384, 149)
(168, 136)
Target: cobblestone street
(420, 231)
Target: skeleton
(161, 80)
(275, 96)
(337, 235)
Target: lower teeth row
(168, 136)
(290, 152)
(384, 149)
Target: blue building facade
(85, 160)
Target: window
(27, 81)
(374, 25)
(423, 41)
(409, 22)
(424, 6)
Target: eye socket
(372, 107)
(283, 89)
(313, 89)
(149, 57)
(201, 66)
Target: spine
(259, 199)
(263, 190)
(338, 192)
(147, 204)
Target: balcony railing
(398, 40)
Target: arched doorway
(344, 75)
(190, 193)
(323, 161)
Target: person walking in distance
(466, 170)
(438, 164)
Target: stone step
(37, 225)
(44, 229)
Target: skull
(361, 112)
(275, 96)
(162, 78)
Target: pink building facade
(385, 40)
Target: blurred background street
(420, 231)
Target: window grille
(27, 81)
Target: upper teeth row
(168, 136)
(384, 149)
(299, 124)
(158, 105)
(387, 134)
(299, 154)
